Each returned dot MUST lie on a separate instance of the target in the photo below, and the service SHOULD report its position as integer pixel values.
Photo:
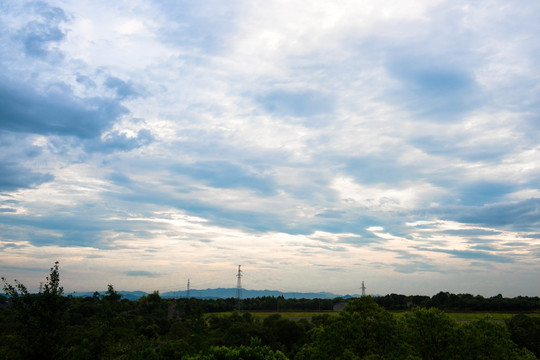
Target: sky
(317, 144)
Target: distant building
(339, 306)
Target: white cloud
(337, 156)
(383, 197)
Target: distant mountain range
(223, 293)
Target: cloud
(45, 30)
(471, 232)
(22, 109)
(15, 176)
(435, 90)
(115, 141)
(523, 215)
(359, 136)
(123, 89)
(475, 255)
(300, 103)
(7, 210)
(198, 25)
(86, 81)
(224, 174)
(480, 193)
(416, 266)
(142, 273)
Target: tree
(525, 332)
(362, 330)
(486, 340)
(253, 352)
(432, 333)
(41, 317)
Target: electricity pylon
(239, 289)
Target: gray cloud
(434, 89)
(123, 89)
(470, 232)
(480, 193)
(415, 266)
(475, 255)
(225, 174)
(24, 110)
(249, 120)
(202, 25)
(523, 215)
(142, 273)
(297, 103)
(39, 34)
(15, 176)
(86, 81)
(119, 142)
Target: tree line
(50, 325)
(442, 300)
(460, 302)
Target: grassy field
(469, 316)
(481, 315)
(461, 316)
(291, 315)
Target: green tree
(486, 340)
(525, 332)
(431, 333)
(253, 352)
(41, 317)
(362, 330)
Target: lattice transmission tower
(187, 292)
(239, 289)
(363, 289)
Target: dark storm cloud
(24, 110)
(15, 176)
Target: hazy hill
(222, 293)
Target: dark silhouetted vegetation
(49, 325)
(460, 302)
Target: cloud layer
(144, 143)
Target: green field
(291, 315)
(482, 315)
(298, 315)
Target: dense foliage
(50, 325)
(459, 302)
